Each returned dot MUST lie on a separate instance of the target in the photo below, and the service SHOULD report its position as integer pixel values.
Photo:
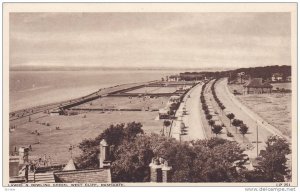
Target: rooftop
(257, 83)
(83, 176)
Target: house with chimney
(22, 171)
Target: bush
(206, 112)
(208, 116)
(229, 134)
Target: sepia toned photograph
(159, 95)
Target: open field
(154, 90)
(73, 129)
(126, 103)
(274, 108)
(282, 85)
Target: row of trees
(243, 128)
(216, 129)
(213, 160)
(261, 72)
(215, 96)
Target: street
(192, 118)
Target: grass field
(73, 129)
(154, 90)
(275, 108)
(126, 103)
(282, 85)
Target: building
(256, 86)
(277, 77)
(241, 76)
(174, 99)
(22, 170)
(288, 78)
(56, 112)
(164, 113)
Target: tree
(243, 130)
(206, 111)
(208, 116)
(114, 136)
(174, 106)
(211, 122)
(273, 159)
(230, 116)
(165, 124)
(133, 129)
(215, 161)
(222, 107)
(236, 123)
(217, 129)
(132, 161)
(212, 160)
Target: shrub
(229, 134)
(208, 116)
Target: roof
(174, 97)
(55, 111)
(257, 83)
(70, 166)
(277, 75)
(163, 110)
(83, 176)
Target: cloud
(150, 39)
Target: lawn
(73, 129)
(274, 108)
(282, 85)
(154, 90)
(126, 103)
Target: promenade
(192, 119)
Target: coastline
(101, 92)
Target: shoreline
(54, 105)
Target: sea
(33, 88)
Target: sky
(187, 40)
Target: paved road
(252, 123)
(192, 119)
